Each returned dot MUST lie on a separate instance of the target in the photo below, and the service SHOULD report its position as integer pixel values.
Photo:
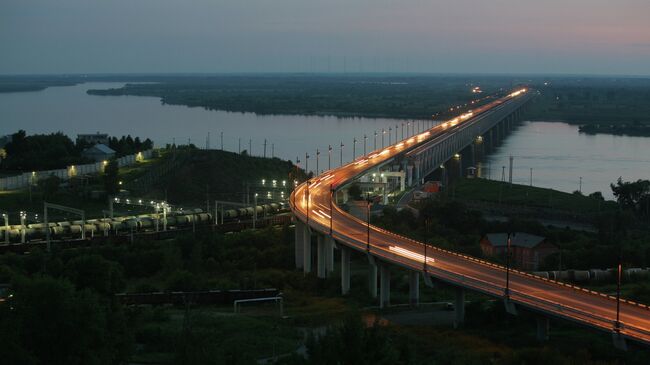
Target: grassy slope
(496, 191)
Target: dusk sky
(498, 36)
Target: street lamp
(317, 156)
(329, 157)
(508, 245)
(383, 132)
(390, 133)
(368, 221)
(375, 145)
(354, 148)
(402, 130)
(331, 208)
(365, 138)
(306, 162)
(617, 324)
(341, 164)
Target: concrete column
(306, 250)
(542, 328)
(417, 172)
(299, 244)
(372, 279)
(473, 152)
(329, 255)
(409, 173)
(459, 307)
(414, 288)
(320, 256)
(402, 183)
(345, 270)
(384, 286)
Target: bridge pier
(307, 259)
(414, 288)
(543, 326)
(329, 255)
(384, 285)
(299, 245)
(459, 307)
(345, 270)
(619, 341)
(372, 277)
(321, 270)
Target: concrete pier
(321, 256)
(345, 270)
(306, 250)
(299, 244)
(543, 326)
(372, 279)
(384, 286)
(414, 288)
(459, 307)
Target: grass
(504, 193)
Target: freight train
(124, 225)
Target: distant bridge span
(314, 204)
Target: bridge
(315, 205)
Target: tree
(634, 196)
(49, 186)
(355, 192)
(111, 177)
(48, 322)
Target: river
(556, 152)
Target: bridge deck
(558, 299)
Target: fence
(31, 178)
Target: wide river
(556, 152)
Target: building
(93, 138)
(99, 152)
(528, 251)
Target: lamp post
(390, 133)
(306, 162)
(617, 324)
(341, 164)
(396, 126)
(375, 145)
(368, 221)
(365, 138)
(354, 148)
(508, 244)
(402, 130)
(331, 209)
(329, 157)
(307, 198)
(317, 157)
(383, 132)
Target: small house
(528, 251)
(99, 152)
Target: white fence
(27, 178)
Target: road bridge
(314, 204)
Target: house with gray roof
(527, 251)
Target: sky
(213, 36)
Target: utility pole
(239, 146)
(503, 173)
(365, 138)
(531, 176)
(250, 147)
(508, 245)
(222, 141)
(510, 171)
(264, 147)
(580, 185)
(207, 141)
(272, 150)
